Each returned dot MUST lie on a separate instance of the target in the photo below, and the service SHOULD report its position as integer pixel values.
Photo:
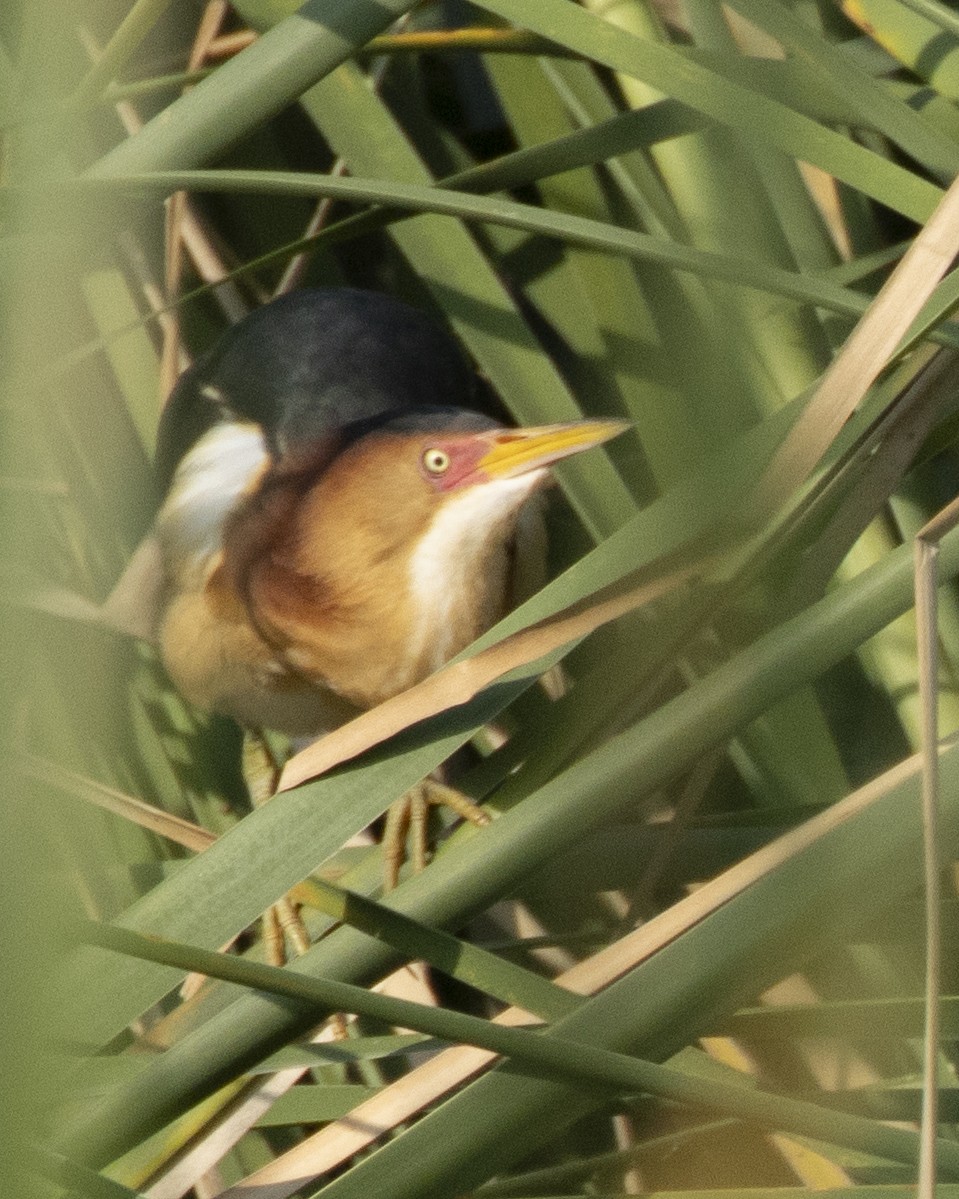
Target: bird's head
(425, 458)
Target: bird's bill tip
(516, 451)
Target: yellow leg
(394, 840)
(273, 938)
(281, 924)
(292, 928)
(419, 826)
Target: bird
(341, 516)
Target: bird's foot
(408, 818)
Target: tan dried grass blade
(236, 1119)
(868, 350)
(460, 681)
(410, 982)
(174, 828)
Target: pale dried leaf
(137, 811)
(461, 681)
(868, 350)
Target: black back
(314, 361)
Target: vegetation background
(705, 875)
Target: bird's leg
(394, 839)
(419, 826)
(273, 937)
(410, 815)
(282, 923)
(292, 928)
(261, 771)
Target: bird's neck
(368, 620)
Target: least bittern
(340, 521)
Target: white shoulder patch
(208, 482)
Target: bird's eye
(436, 462)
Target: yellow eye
(436, 462)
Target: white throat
(445, 566)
